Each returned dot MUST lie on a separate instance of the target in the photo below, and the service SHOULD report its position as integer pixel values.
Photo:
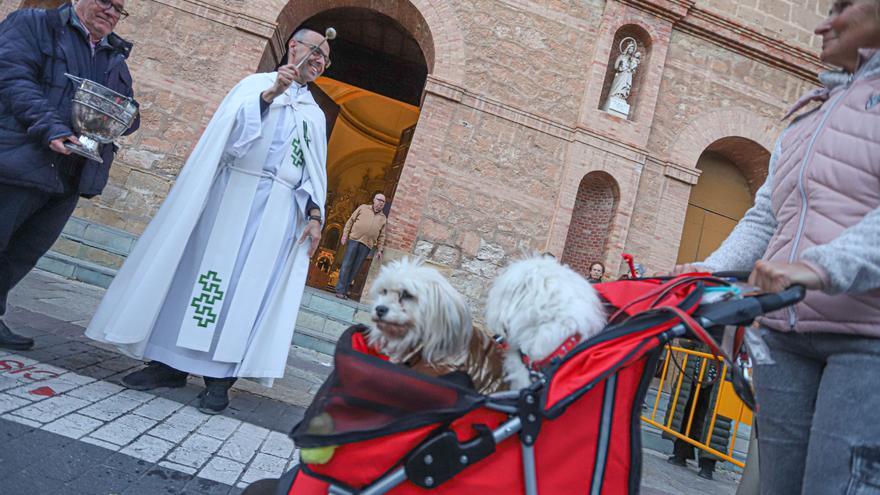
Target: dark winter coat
(37, 47)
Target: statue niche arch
(591, 221)
(628, 61)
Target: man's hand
(775, 276)
(57, 145)
(286, 75)
(312, 232)
(343, 240)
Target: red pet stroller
(576, 429)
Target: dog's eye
(384, 292)
(406, 295)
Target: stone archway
(726, 124)
(376, 80)
(431, 24)
(731, 171)
(591, 221)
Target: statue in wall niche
(624, 69)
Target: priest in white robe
(214, 284)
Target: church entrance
(376, 78)
(732, 169)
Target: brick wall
(590, 226)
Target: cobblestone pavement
(68, 426)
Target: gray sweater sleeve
(748, 241)
(851, 261)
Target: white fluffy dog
(538, 304)
(419, 319)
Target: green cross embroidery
(297, 153)
(204, 303)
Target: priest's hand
(286, 75)
(313, 235)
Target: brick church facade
(511, 149)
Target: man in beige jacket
(364, 231)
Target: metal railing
(726, 404)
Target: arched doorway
(377, 77)
(594, 209)
(732, 169)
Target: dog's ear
(449, 324)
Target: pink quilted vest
(827, 178)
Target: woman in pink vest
(816, 222)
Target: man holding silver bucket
(40, 179)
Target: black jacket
(37, 47)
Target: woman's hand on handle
(775, 276)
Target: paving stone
(264, 466)
(187, 418)
(201, 443)
(189, 457)
(148, 448)
(178, 467)
(222, 470)
(58, 385)
(170, 433)
(99, 443)
(137, 395)
(20, 420)
(110, 408)
(159, 408)
(124, 429)
(52, 408)
(96, 391)
(219, 427)
(244, 443)
(278, 445)
(73, 425)
(11, 403)
(120, 363)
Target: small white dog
(419, 319)
(541, 306)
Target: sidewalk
(67, 426)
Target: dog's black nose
(381, 311)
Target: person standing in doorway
(364, 231)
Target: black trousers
(355, 254)
(684, 450)
(30, 222)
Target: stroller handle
(779, 300)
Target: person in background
(364, 231)
(597, 271)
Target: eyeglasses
(315, 49)
(108, 4)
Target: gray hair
(300, 34)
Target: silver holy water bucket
(100, 115)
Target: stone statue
(624, 68)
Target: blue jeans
(819, 414)
(355, 253)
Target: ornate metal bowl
(100, 115)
